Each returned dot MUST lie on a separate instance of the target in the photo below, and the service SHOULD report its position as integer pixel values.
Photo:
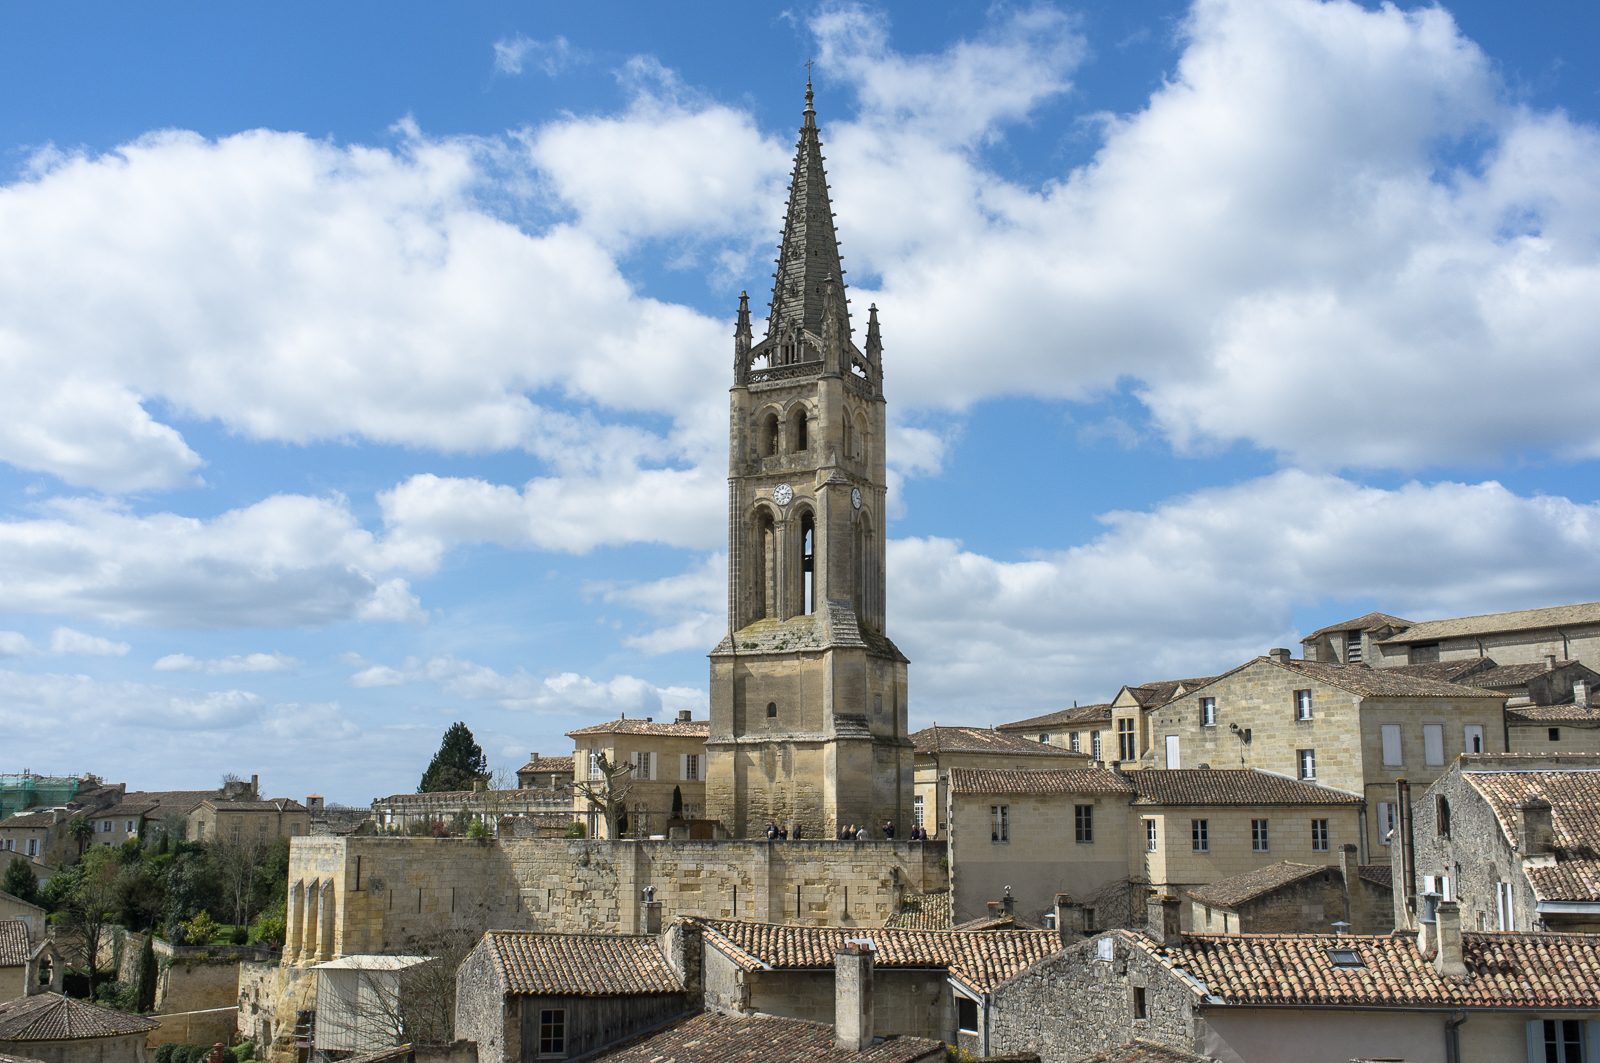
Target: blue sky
(366, 368)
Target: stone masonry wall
(379, 894)
(1077, 1003)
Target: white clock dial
(783, 494)
(855, 497)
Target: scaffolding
(26, 790)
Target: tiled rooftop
(1494, 623)
(692, 729)
(980, 959)
(584, 965)
(710, 1037)
(1155, 695)
(1381, 682)
(1049, 781)
(1369, 622)
(938, 739)
(29, 819)
(931, 911)
(13, 942)
(1230, 786)
(548, 764)
(54, 1017)
(1078, 714)
(1511, 675)
(1381, 874)
(1241, 889)
(1505, 969)
(1446, 671)
(1574, 797)
(277, 804)
(1553, 714)
(1142, 1051)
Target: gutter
(1452, 1037)
(1569, 907)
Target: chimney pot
(1448, 962)
(1581, 693)
(994, 909)
(1009, 903)
(852, 997)
(1163, 922)
(533, 756)
(1068, 916)
(685, 716)
(1279, 654)
(1549, 662)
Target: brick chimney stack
(1535, 828)
(1163, 922)
(852, 996)
(1279, 654)
(1067, 919)
(1448, 961)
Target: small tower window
(769, 435)
(772, 710)
(808, 562)
(797, 430)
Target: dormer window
(1345, 958)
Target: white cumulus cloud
(66, 640)
(230, 665)
(16, 644)
(564, 694)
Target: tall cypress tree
(147, 973)
(458, 764)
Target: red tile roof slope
(710, 1037)
(1512, 970)
(692, 729)
(1049, 781)
(1061, 718)
(1362, 623)
(54, 1017)
(1574, 796)
(1230, 786)
(938, 739)
(13, 942)
(981, 959)
(1241, 889)
(581, 965)
(1382, 874)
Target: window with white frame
(642, 765)
(1433, 744)
(33, 846)
(1001, 829)
(1557, 1040)
(1200, 835)
(594, 764)
(1072, 742)
(917, 811)
(1392, 757)
(1258, 835)
(1505, 913)
(1208, 712)
(1302, 704)
(1385, 822)
(1149, 835)
(1044, 739)
(689, 767)
(1083, 822)
(1319, 835)
(1127, 748)
(1094, 743)
(1307, 761)
(127, 826)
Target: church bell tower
(808, 695)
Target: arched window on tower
(808, 562)
(765, 569)
(769, 435)
(798, 436)
(860, 435)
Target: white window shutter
(1391, 745)
(1535, 1041)
(1433, 744)
(683, 767)
(650, 765)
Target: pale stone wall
(649, 800)
(1573, 738)
(269, 996)
(195, 1027)
(412, 887)
(904, 1002)
(483, 1013)
(1581, 642)
(1176, 863)
(930, 766)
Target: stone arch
(767, 433)
(764, 561)
(862, 436)
(805, 549)
(799, 433)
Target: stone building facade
(938, 749)
(666, 757)
(1525, 636)
(1349, 727)
(362, 894)
(1294, 898)
(1080, 729)
(1513, 839)
(808, 694)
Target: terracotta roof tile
(53, 1017)
(1142, 1051)
(711, 1037)
(1574, 796)
(1382, 682)
(931, 911)
(1381, 874)
(1079, 714)
(1049, 781)
(1361, 623)
(1155, 695)
(1230, 786)
(692, 729)
(1511, 675)
(13, 942)
(938, 739)
(1446, 671)
(1548, 714)
(1241, 889)
(29, 819)
(584, 965)
(1486, 623)
(980, 959)
(548, 764)
(1505, 970)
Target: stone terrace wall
(387, 894)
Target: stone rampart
(360, 895)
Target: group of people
(853, 832)
(776, 833)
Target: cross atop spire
(808, 258)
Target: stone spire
(741, 341)
(808, 258)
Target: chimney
(479, 786)
(1162, 920)
(1350, 873)
(1428, 926)
(1581, 692)
(652, 911)
(1068, 915)
(1009, 904)
(685, 716)
(533, 758)
(1535, 831)
(852, 996)
(1448, 962)
(1279, 654)
(1549, 662)
(994, 909)
(255, 787)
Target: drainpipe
(985, 1038)
(1452, 1038)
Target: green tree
(81, 830)
(93, 903)
(147, 974)
(20, 881)
(677, 803)
(458, 765)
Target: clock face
(855, 497)
(783, 494)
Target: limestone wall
(269, 996)
(386, 895)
